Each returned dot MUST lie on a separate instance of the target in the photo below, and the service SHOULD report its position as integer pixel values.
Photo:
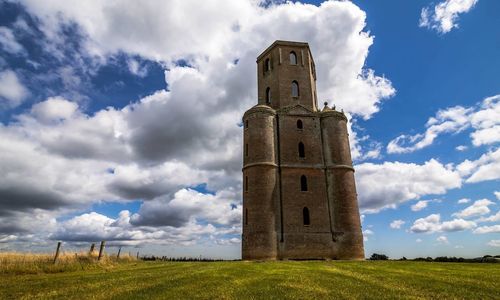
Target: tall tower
(299, 193)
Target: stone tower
(299, 193)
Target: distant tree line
(484, 259)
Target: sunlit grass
(263, 280)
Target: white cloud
(479, 207)
(492, 218)
(418, 240)
(136, 68)
(484, 119)
(188, 206)
(487, 167)
(442, 239)
(457, 225)
(54, 109)
(463, 201)
(95, 227)
(487, 229)
(450, 120)
(403, 182)
(7, 238)
(366, 233)
(494, 243)
(497, 194)
(432, 223)
(11, 89)
(8, 41)
(461, 148)
(396, 224)
(444, 16)
(486, 122)
(419, 205)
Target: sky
(121, 121)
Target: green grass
(262, 280)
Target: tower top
(277, 43)
(287, 76)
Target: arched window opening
(246, 183)
(305, 214)
(295, 89)
(302, 151)
(299, 124)
(267, 65)
(268, 96)
(246, 124)
(303, 183)
(246, 149)
(246, 216)
(293, 58)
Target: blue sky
(120, 121)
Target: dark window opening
(303, 183)
(268, 96)
(293, 58)
(267, 65)
(305, 214)
(302, 151)
(246, 216)
(295, 89)
(299, 124)
(246, 183)
(246, 149)
(246, 124)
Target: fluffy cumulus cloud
(485, 168)
(367, 233)
(483, 119)
(479, 207)
(402, 182)
(492, 218)
(12, 91)
(443, 17)
(396, 224)
(188, 205)
(61, 158)
(91, 227)
(419, 205)
(432, 223)
(487, 229)
(463, 201)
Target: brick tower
(299, 193)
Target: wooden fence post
(119, 251)
(57, 252)
(92, 247)
(101, 250)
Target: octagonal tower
(299, 193)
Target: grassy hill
(263, 280)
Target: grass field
(261, 280)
